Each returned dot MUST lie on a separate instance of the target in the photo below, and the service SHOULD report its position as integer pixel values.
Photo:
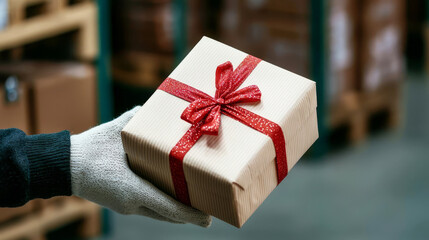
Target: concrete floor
(377, 190)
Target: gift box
(222, 131)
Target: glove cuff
(76, 163)
(49, 164)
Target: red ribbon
(204, 114)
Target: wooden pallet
(346, 111)
(356, 110)
(143, 70)
(385, 99)
(52, 216)
(56, 18)
(7, 214)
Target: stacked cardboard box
(148, 25)
(382, 29)
(61, 96)
(196, 21)
(343, 44)
(143, 26)
(365, 38)
(277, 31)
(144, 30)
(145, 45)
(13, 103)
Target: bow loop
(207, 110)
(197, 110)
(223, 79)
(247, 94)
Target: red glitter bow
(208, 109)
(204, 115)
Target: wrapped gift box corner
(231, 174)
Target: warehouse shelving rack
(318, 60)
(58, 17)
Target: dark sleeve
(34, 166)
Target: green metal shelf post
(179, 30)
(318, 66)
(104, 80)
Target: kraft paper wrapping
(231, 174)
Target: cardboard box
(196, 20)
(290, 55)
(235, 23)
(290, 7)
(273, 33)
(62, 95)
(343, 55)
(144, 27)
(14, 113)
(225, 178)
(383, 24)
(148, 26)
(65, 102)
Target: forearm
(36, 166)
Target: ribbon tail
(176, 162)
(223, 79)
(197, 110)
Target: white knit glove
(100, 173)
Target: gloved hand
(100, 173)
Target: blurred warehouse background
(72, 64)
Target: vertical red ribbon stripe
(231, 81)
